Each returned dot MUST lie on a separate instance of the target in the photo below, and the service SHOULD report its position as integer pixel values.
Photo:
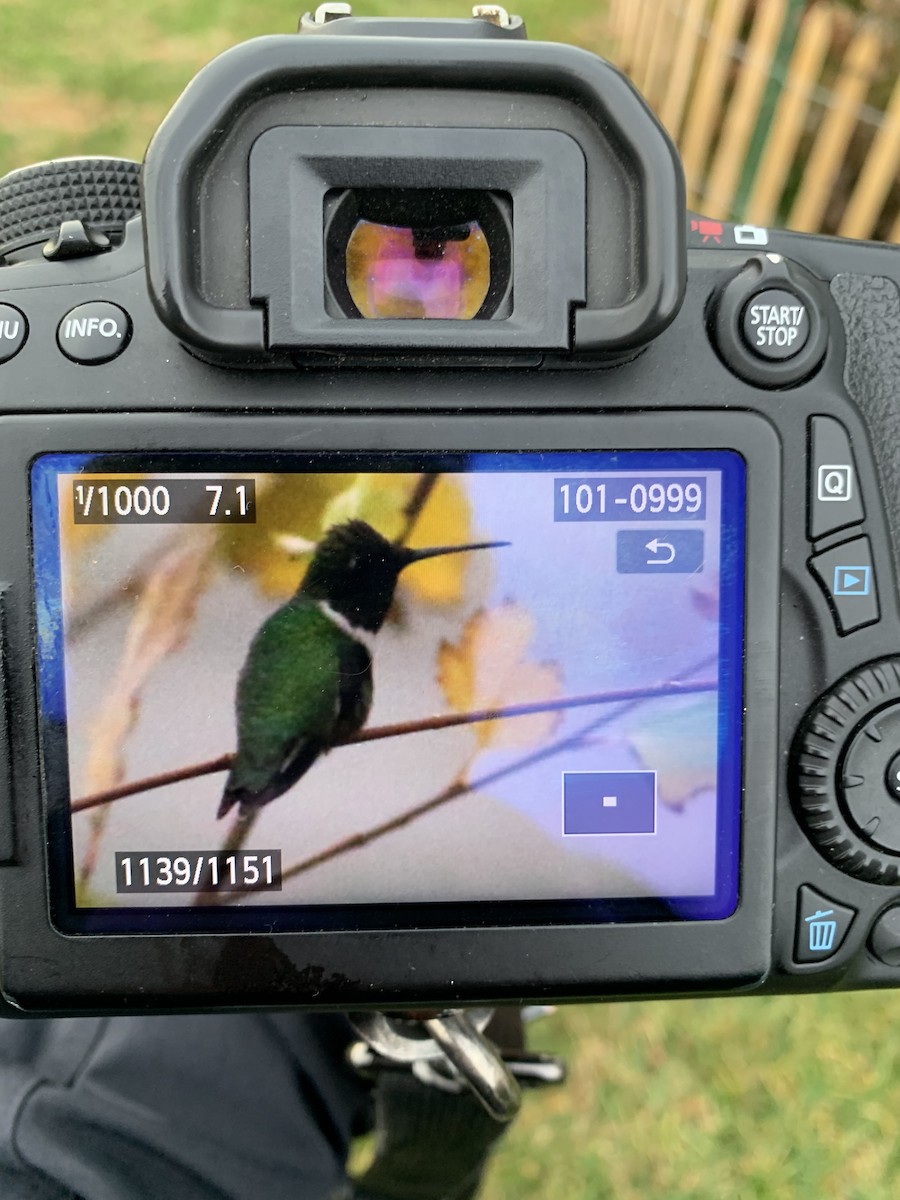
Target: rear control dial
(846, 773)
(866, 780)
(892, 777)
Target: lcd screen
(264, 706)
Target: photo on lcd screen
(326, 681)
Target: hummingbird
(306, 684)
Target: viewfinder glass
(418, 254)
(418, 273)
(291, 691)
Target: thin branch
(195, 771)
(457, 789)
(423, 725)
(425, 485)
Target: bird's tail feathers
(227, 803)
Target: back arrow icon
(655, 547)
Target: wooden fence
(785, 112)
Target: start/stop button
(769, 322)
(775, 324)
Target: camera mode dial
(102, 194)
(846, 773)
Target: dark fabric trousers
(212, 1107)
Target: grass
(98, 77)
(744, 1099)
(794, 1098)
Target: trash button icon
(822, 932)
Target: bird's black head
(355, 570)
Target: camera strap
(442, 1101)
(430, 1144)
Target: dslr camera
(438, 569)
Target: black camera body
(167, 374)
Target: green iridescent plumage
(306, 685)
(307, 682)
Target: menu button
(94, 333)
(13, 332)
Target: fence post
(664, 33)
(744, 109)
(830, 146)
(706, 102)
(879, 172)
(671, 110)
(787, 126)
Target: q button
(94, 333)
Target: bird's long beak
(414, 556)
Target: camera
(437, 568)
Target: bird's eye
(351, 565)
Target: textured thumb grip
(870, 311)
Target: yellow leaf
(162, 620)
(286, 504)
(160, 624)
(488, 668)
(456, 668)
(379, 500)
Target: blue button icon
(822, 932)
(609, 802)
(852, 581)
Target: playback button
(94, 333)
(846, 575)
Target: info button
(94, 333)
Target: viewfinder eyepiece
(419, 254)
(491, 200)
